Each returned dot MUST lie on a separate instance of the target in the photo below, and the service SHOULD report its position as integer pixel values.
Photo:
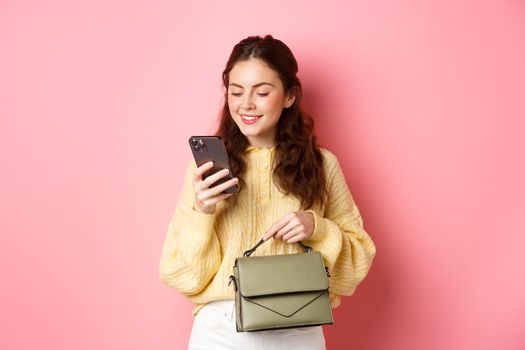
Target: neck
(261, 143)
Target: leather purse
(281, 291)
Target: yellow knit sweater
(199, 249)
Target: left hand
(293, 227)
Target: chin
(249, 132)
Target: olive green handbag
(281, 291)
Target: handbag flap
(289, 305)
(278, 274)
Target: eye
(262, 94)
(236, 94)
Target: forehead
(253, 71)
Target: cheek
(233, 105)
(274, 104)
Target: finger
(277, 226)
(217, 190)
(289, 227)
(297, 238)
(293, 222)
(217, 199)
(201, 170)
(224, 186)
(274, 228)
(292, 233)
(210, 180)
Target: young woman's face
(256, 99)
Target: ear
(290, 99)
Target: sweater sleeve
(339, 235)
(191, 252)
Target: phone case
(211, 148)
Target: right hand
(207, 197)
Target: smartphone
(211, 148)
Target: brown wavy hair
(299, 169)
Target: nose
(247, 102)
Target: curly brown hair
(299, 169)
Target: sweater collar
(256, 149)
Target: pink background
(422, 101)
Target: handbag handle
(249, 252)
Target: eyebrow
(256, 85)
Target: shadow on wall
(362, 318)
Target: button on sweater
(199, 250)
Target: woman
(290, 190)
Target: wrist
(310, 225)
(198, 209)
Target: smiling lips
(250, 119)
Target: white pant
(214, 328)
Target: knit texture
(199, 249)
